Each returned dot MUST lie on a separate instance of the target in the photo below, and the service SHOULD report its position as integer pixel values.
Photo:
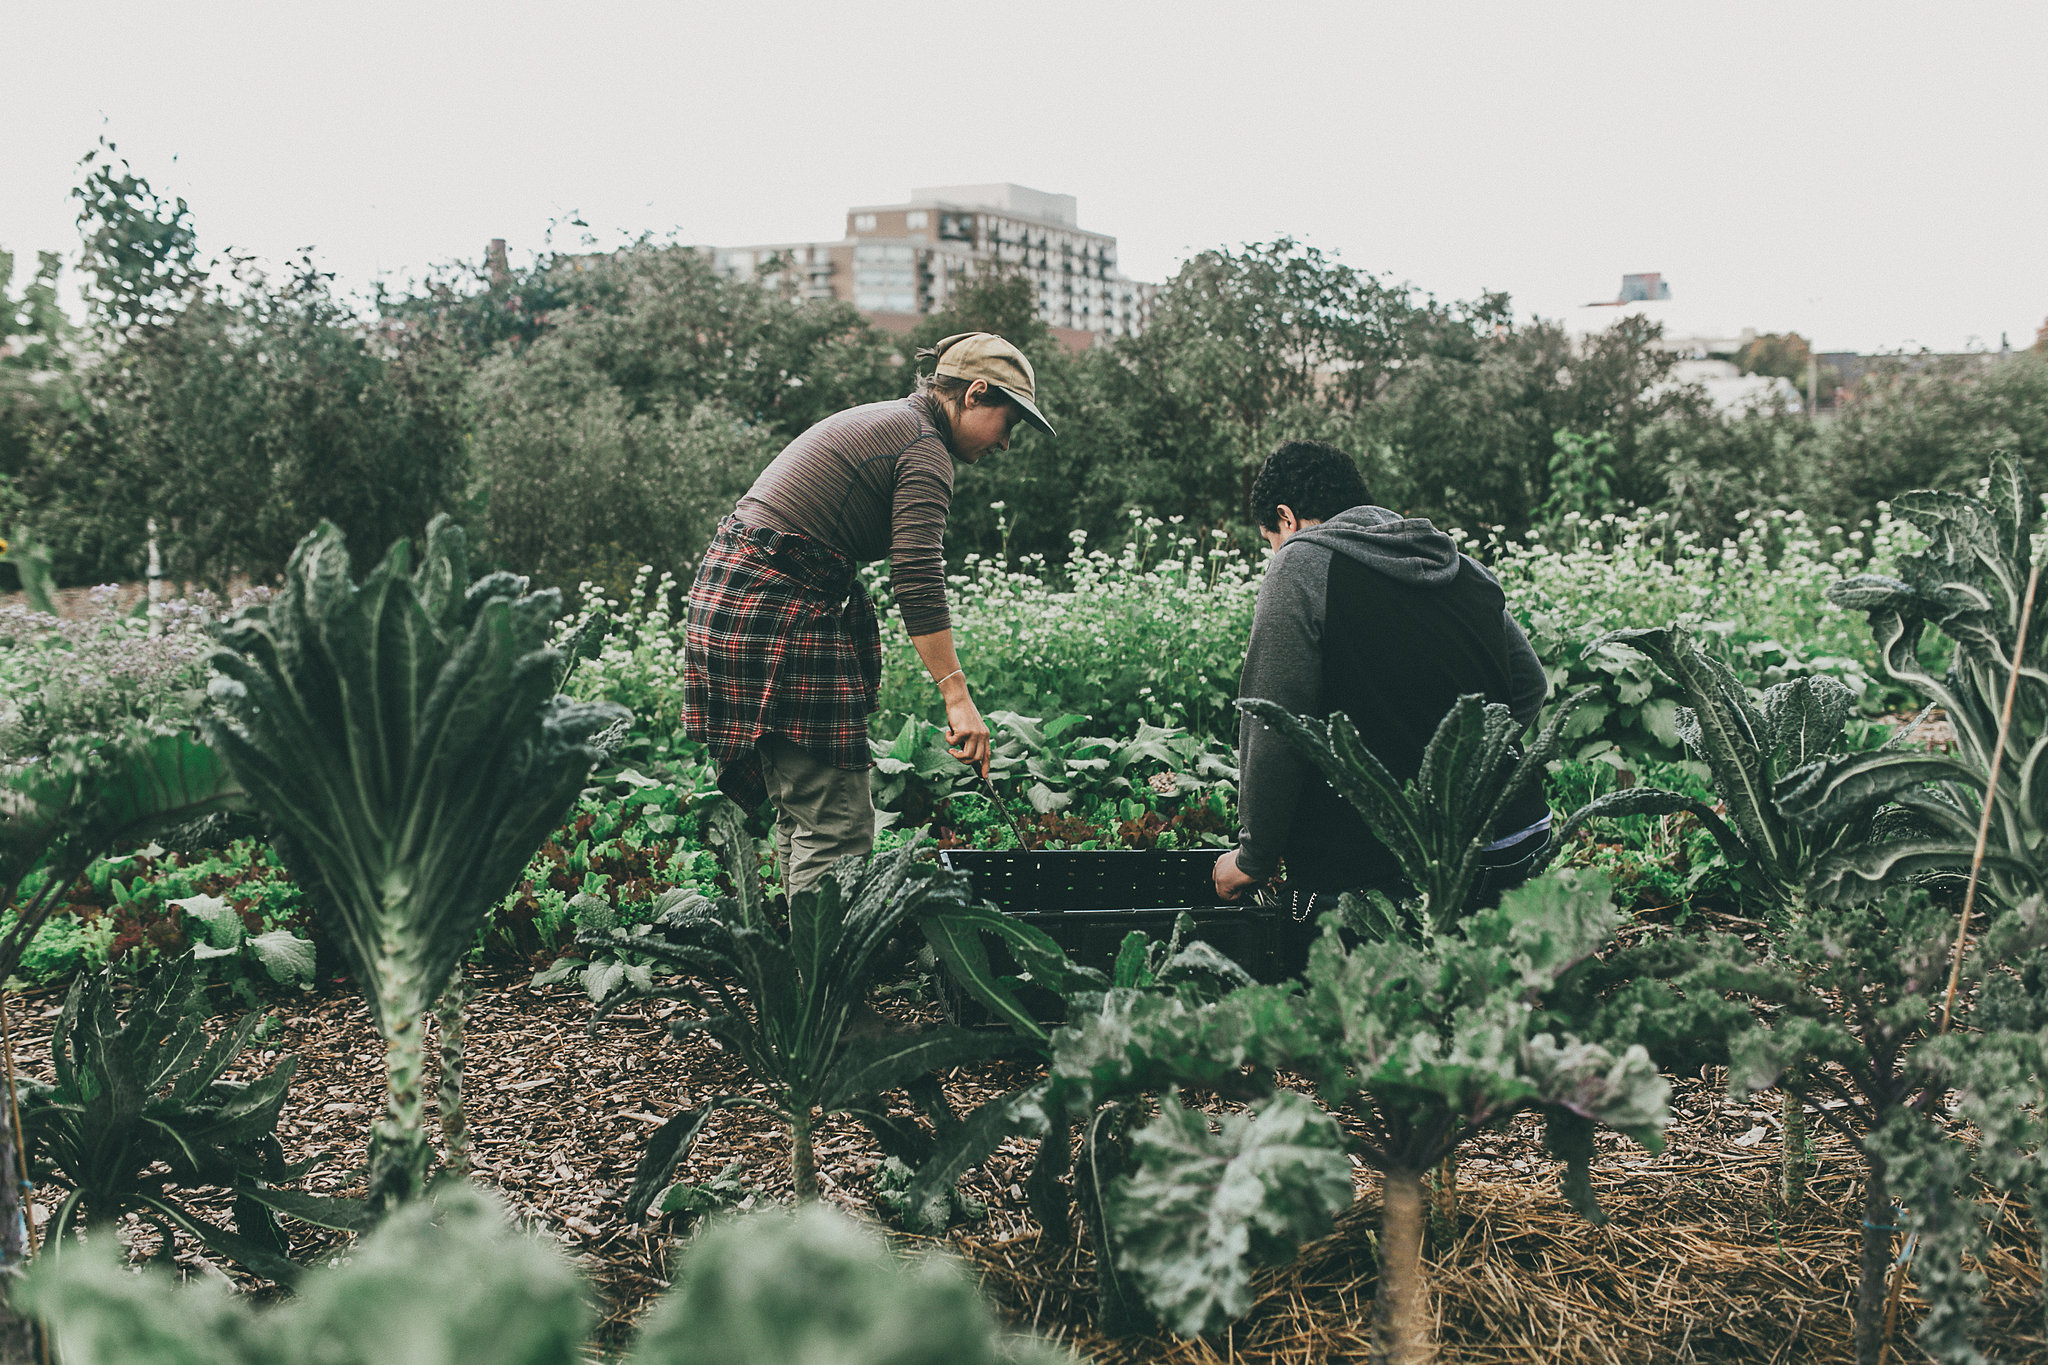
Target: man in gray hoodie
(1378, 616)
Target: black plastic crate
(1087, 902)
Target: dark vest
(1396, 657)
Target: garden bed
(1698, 1264)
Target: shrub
(588, 487)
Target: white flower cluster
(1155, 629)
(104, 670)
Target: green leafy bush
(129, 909)
(1153, 633)
(232, 405)
(84, 799)
(1048, 767)
(1655, 861)
(582, 485)
(97, 674)
(1759, 601)
(285, 958)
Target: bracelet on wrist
(956, 673)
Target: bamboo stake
(2012, 687)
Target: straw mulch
(1699, 1262)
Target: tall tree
(234, 413)
(638, 410)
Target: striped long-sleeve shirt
(871, 481)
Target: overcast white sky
(1870, 174)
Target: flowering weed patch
(94, 674)
(1153, 633)
(1759, 602)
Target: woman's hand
(967, 732)
(1231, 884)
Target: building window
(863, 222)
(916, 218)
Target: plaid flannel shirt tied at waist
(781, 638)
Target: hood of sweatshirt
(1405, 549)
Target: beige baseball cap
(986, 356)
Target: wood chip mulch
(1699, 1262)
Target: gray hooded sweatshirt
(1284, 659)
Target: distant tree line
(589, 413)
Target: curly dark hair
(1318, 481)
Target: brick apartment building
(899, 262)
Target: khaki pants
(822, 813)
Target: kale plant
(140, 1111)
(1428, 1041)
(786, 997)
(449, 1281)
(1432, 1042)
(404, 737)
(1866, 989)
(2000, 1080)
(60, 813)
(1747, 747)
(1435, 824)
(808, 1284)
(1969, 582)
(1852, 996)
(446, 1281)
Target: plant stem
(1443, 1208)
(802, 1165)
(1401, 1320)
(13, 1226)
(1794, 1161)
(454, 1127)
(2038, 1206)
(398, 1141)
(17, 1235)
(1876, 1265)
